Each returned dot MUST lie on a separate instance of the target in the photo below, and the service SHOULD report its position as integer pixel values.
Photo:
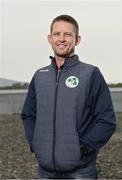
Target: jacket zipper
(54, 122)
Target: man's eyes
(68, 34)
(65, 34)
(56, 34)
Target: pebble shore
(17, 162)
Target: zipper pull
(57, 77)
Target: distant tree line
(17, 86)
(118, 85)
(26, 85)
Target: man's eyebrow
(63, 32)
(56, 32)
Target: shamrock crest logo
(72, 81)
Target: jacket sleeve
(28, 114)
(102, 113)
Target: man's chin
(64, 54)
(61, 55)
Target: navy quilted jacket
(64, 109)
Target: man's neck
(59, 61)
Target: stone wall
(11, 101)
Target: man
(68, 113)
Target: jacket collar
(69, 61)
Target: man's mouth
(61, 46)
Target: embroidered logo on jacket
(44, 70)
(72, 81)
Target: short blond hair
(68, 19)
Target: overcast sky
(25, 25)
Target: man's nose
(62, 38)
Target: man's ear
(49, 38)
(78, 40)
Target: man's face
(63, 39)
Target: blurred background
(24, 27)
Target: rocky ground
(17, 162)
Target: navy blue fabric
(58, 119)
(88, 172)
(29, 113)
(100, 109)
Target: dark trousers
(89, 172)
